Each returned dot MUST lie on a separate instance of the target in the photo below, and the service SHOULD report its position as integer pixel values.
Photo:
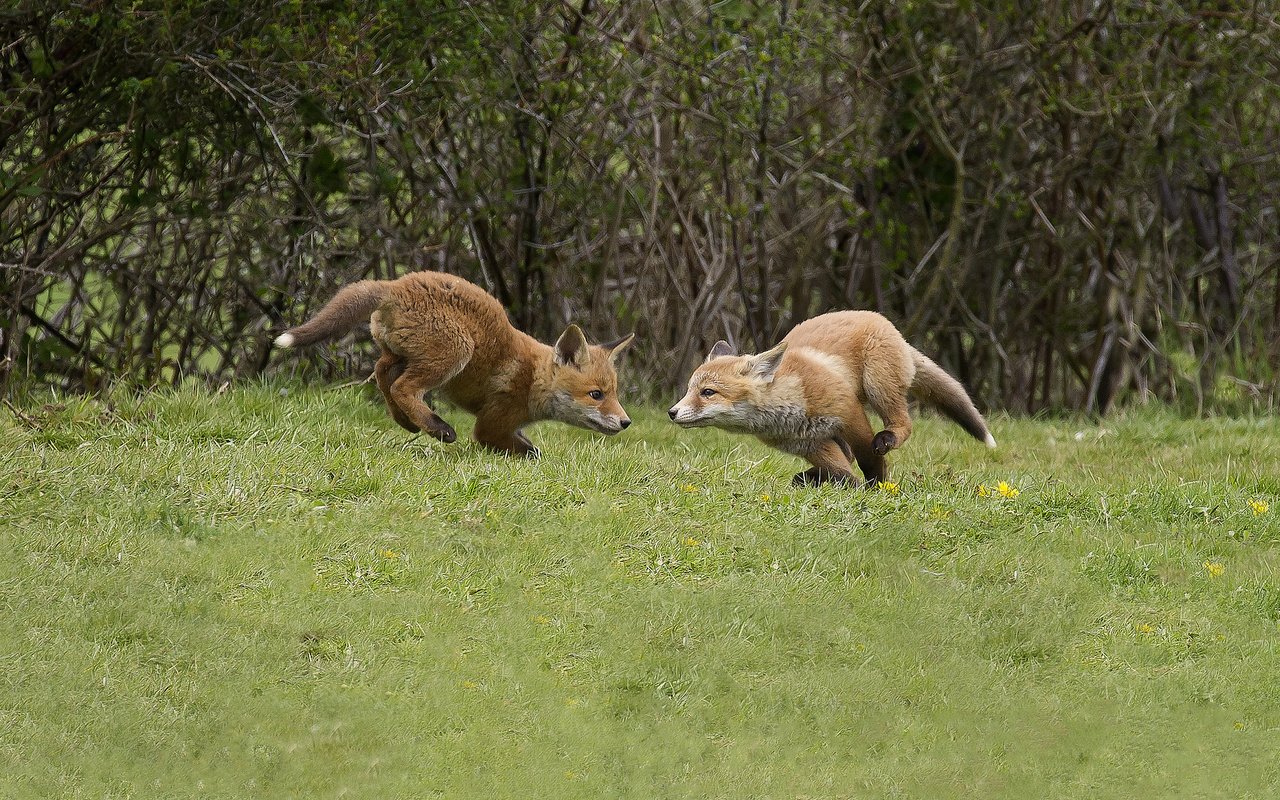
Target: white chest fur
(793, 430)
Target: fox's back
(854, 338)
(430, 296)
(425, 309)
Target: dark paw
(884, 442)
(810, 477)
(526, 448)
(442, 431)
(817, 477)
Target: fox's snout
(615, 426)
(674, 413)
(613, 418)
(685, 414)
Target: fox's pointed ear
(720, 348)
(616, 349)
(571, 347)
(766, 364)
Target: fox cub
(807, 395)
(438, 330)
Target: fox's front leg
(829, 464)
(814, 476)
(530, 449)
(502, 439)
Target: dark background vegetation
(1070, 204)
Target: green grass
(259, 595)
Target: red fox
(438, 330)
(806, 395)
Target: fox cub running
(807, 395)
(438, 330)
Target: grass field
(280, 594)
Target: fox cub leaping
(807, 395)
(438, 330)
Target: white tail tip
(991, 441)
(286, 340)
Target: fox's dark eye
(709, 392)
(595, 394)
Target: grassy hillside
(270, 593)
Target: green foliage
(275, 592)
(1054, 199)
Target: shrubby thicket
(1068, 203)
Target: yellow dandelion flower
(390, 554)
(1143, 627)
(764, 498)
(983, 491)
(1214, 568)
(572, 701)
(1006, 490)
(1239, 726)
(889, 486)
(689, 487)
(470, 685)
(1259, 507)
(541, 620)
(689, 541)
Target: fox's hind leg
(857, 436)
(886, 388)
(389, 368)
(422, 373)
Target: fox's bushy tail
(349, 307)
(934, 386)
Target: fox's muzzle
(686, 417)
(610, 426)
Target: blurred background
(1069, 205)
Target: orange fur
(440, 331)
(808, 395)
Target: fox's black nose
(671, 412)
(625, 423)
